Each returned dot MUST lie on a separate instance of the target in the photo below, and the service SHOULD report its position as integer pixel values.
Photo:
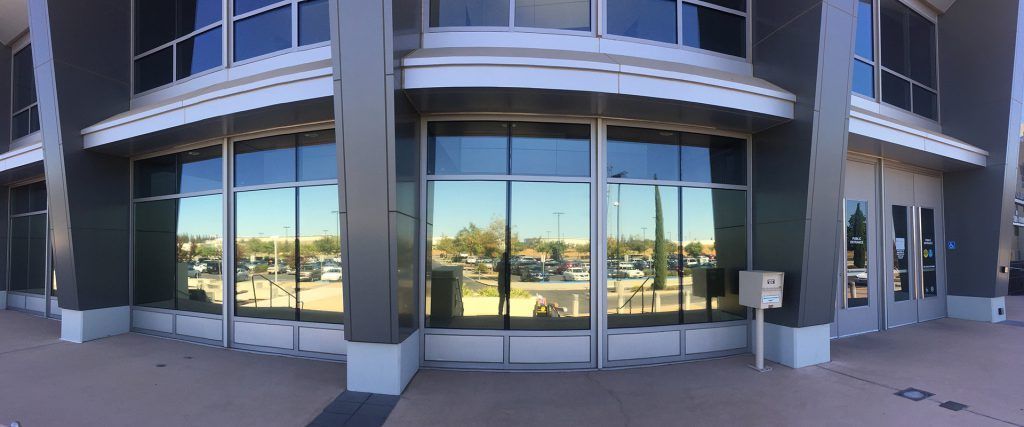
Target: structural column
(5, 144)
(980, 82)
(82, 59)
(806, 48)
(377, 133)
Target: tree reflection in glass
(265, 268)
(199, 286)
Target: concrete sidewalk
(138, 380)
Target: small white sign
(771, 299)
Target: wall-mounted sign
(951, 245)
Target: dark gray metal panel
(5, 235)
(83, 61)
(5, 97)
(980, 88)
(806, 48)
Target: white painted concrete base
(81, 326)
(3, 300)
(976, 308)
(383, 368)
(797, 347)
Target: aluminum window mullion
(24, 109)
(254, 12)
(717, 7)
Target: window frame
(21, 43)
(511, 27)
(227, 23)
(604, 33)
(878, 68)
(48, 246)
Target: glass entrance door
(858, 295)
(915, 257)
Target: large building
(507, 184)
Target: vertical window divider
(507, 306)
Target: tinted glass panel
(21, 230)
(28, 198)
(23, 80)
(156, 176)
(550, 149)
(643, 154)
(154, 70)
(863, 78)
(21, 124)
(467, 148)
(467, 269)
(265, 160)
(895, 91)
(643, 19)
(644, 286)
(317, 158)
(928, 253)
(242, 6)
(200, 169)
(922, 50)
(267, 32)
(199, 53)
(714, 159)
(550, 256)
(926, 103)
(154, 247)
(265, 267)
(468, 13)
(557, 14)
(714, 250)
(320, 273)
(37, 255)
(865, 46)
(858, 273)
(908, 42)
(314, 22)
(33, 114)
(740, 5)
(196, 14)
(714, 30)
(154, 23)
(900, 256)
(199, 246)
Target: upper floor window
(571, 15)
(177, 39)
(25, 118)
(715, 25)
(906, 65)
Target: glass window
(320, 274)
(714, 30)
(469, 13)
(265, 249)
(549, 259)
(155, 176)
(154, 70)
(643, 154)
(21, 229)
(244, 6)
(467, 148)
(199, 53)
(196, 14)
(155, 254)
(895, 90)
(715, 250)
(264, 33)
(24, 81)
(467, 270)
(555, 14)
(858, 271)
(900, 256)
(198, 247)
(316, 156)
(28, 198)
(644, 266)
(265, 161)
(926, 102)
(928, 254)
(314, 22)
(154, 23)
(738, 5)
(713, 159)
(200, 169)
(865, 45)
(863, 78)
(550, 149)
(644, 19)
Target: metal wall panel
(804, 47)
(980, 72)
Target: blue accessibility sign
(951, 245)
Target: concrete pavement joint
(619, 404)
(28, 348)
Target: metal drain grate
(914, 394)
(953, 406)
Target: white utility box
(761, 289)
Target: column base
(3, 300)
(81, 326)
(797, 347)
(382, 368)
(976, 308)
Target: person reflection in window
(503, 302)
